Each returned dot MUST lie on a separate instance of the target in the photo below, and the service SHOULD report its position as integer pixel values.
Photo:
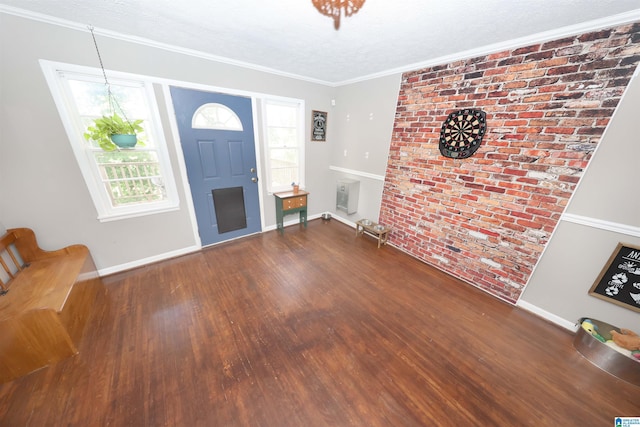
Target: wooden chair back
(10, 260)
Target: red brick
(555, 62)
(530, 114)
(569, 178)
(538, 98)
(557, 44)
(520, 122)
(543, 122)
(596, 35)
(539, 212)
(515, 172)
(531, 74)
(599, 65)
(499, 55)
(529, 129)
(555, 88)
(521, 67)
(568, 69)
(590, 131)
(539, 56)
(560, 130)
(525, 50)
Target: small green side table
(287, 203)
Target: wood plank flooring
(314, 328)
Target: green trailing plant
(106, 126)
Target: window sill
(128, 215)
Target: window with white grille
(123, 182)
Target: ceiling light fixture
(335, 8)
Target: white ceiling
(292, 37)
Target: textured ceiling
(292, 37)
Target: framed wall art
(619, 280)
(318, 126)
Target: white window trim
(73, 127)
(301, 140)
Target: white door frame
(180, 154)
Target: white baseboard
(290, 222)
(145, 261)
(343, 220)
(179, 252)
(573, 327)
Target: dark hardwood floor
(313, 328)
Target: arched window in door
(215, 116)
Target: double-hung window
(284, 141)
(125, 182)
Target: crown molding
(571, 30)
(558, 33)
(47, 19)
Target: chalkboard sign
(619, 280)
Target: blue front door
(216, 134)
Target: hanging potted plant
(113, 131)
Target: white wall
(363, 119)
(42, 187)
(604, 210)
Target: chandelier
(335, 8)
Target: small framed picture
(318, 126)
(619, 280)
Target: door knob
(252, 170)
(254, 179)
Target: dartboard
(462, 133)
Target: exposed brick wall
(487, 218)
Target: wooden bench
(47, 298)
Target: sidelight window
(284, 124)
